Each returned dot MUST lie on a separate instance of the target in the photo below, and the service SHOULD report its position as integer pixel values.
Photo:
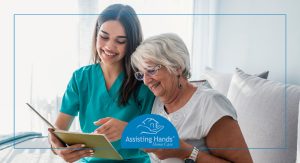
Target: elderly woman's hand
(70, 153)
(182, 152)
(111, 127)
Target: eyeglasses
(140, 75)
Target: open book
(100, 144)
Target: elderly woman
(205, 120)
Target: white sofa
(267, 113)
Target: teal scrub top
(86, 95)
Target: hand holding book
(74, 145)
(70, 153)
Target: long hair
(128, 18)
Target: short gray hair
(165, 49)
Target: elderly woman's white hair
(165, 49)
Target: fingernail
(82, 145)
(91, 151)
(95, 122)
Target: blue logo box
(150, 131)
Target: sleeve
(70, 100)
(145, 99)
(217, 107)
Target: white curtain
(203, 43)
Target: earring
(179, 84)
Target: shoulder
(213, 106)
(211, 101)
(210, 95)
(86, 69)
(85, 74)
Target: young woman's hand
(70, 153)
(111, 127)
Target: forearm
(206, 157)
(63, 121)
(202, 157)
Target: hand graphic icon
(149, 126)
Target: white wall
(257, 43)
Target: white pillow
(265, 119)
(201, 83)
(217, 80)
(221, 81)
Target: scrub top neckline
(114, 89)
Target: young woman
(106, 92)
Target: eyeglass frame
(150, 72)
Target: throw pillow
(267, 113)
(221, 81)
(217, 80)
(201, 83)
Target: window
(48, 48)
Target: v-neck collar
(114, 89)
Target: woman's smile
(108, 53)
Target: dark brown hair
(128, 18)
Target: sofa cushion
(221, 81)
(267, 114)
(201, 83)
(217, 80)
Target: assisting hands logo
(150, 131)
(150, 126)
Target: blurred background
(43, 41)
